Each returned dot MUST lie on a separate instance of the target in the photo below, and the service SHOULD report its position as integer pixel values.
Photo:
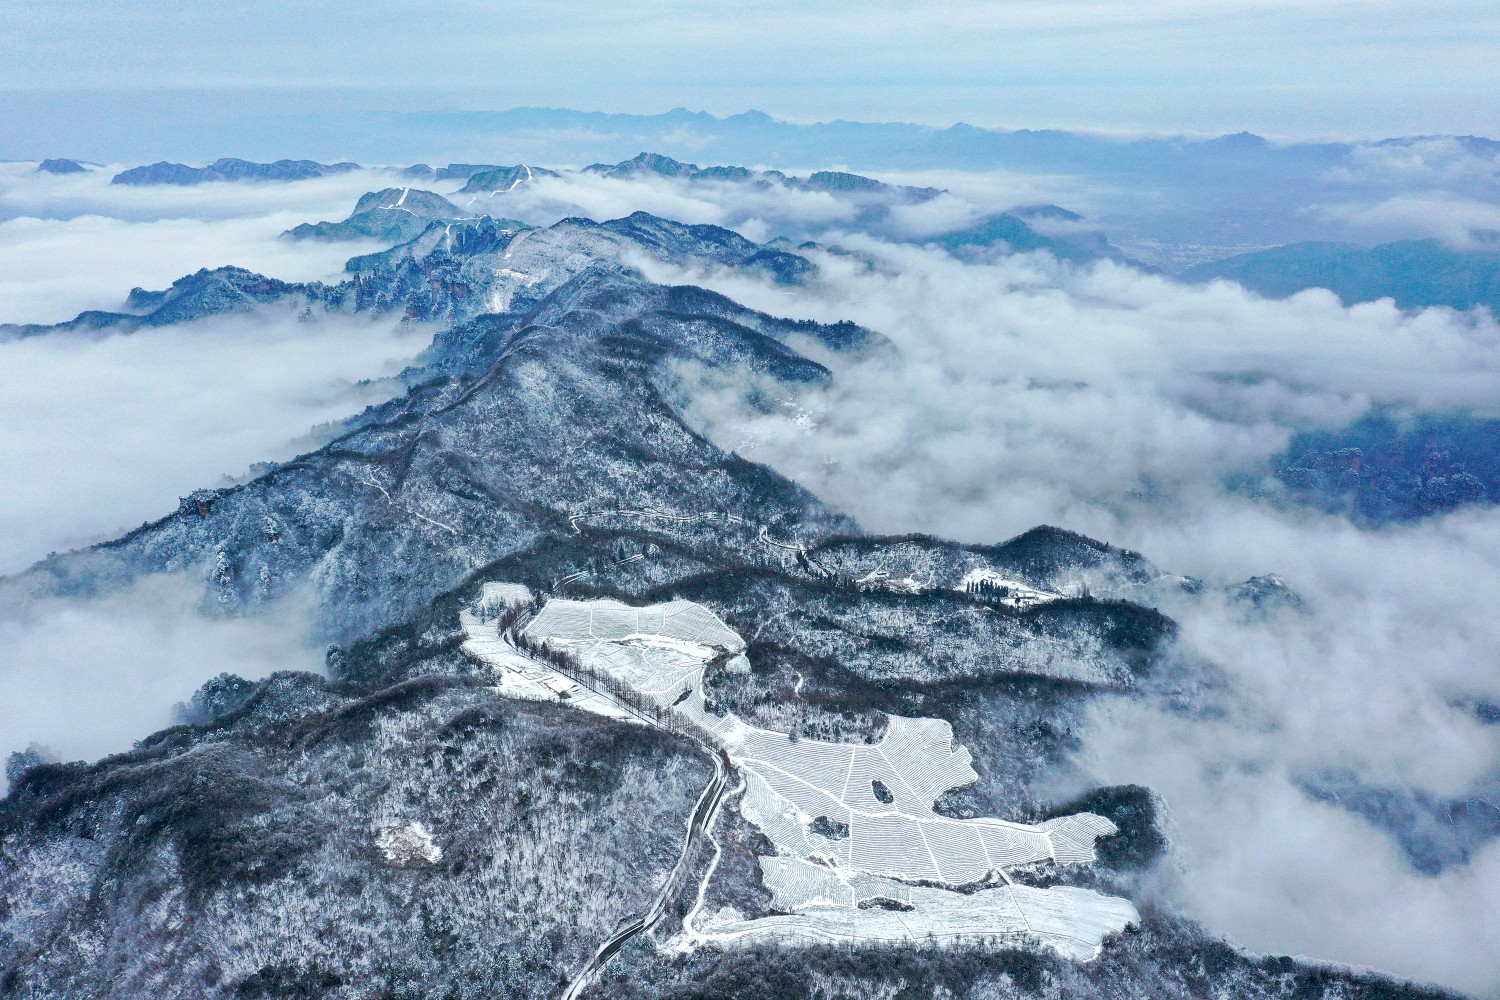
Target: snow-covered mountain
(404, 827)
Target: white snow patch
(879, 579)
(883, 793)
(407, 845)
(520, 676)
(1013, 592)
(825, 905)
(495, 597)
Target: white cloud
(733, 205)
(74, 241)
(88, 677)
(51, 270)
(1419, 164)
(763, 210)
(1281, 873)
(1117, 403)
(998, 190)
(1031, 391)
(101, 431)
(108, 431)
(1456, 220)
(25, 191)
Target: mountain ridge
(542, 440)
(228, 169)
(1413, 273)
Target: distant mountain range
(834, 181)
(398, 214)
(1036, 228)
(1178, 197)
(561, 135)
(229, 169)
(1415, 273)
(544, 438)
(449, 272)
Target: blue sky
(1279, 67)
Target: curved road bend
(702, 819)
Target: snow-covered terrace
(894, 837)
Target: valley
(614, 705)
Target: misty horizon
(1112, 394)
(119, 124)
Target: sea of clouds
(1103, 399)
(101, 431)
(1411, 189)
(769, 209)
(87, 677)
(70, 242)
(1123, 405)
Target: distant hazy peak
(1027, 229)
(1032, 213)
(832, 181)
(426, 204)
(503, 179)
(645, 163)
(229, 169)
(837, 180)
(61, 167)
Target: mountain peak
(61, 166)
(425, 204)
(646, 163)
(838, 180)
(229, 168)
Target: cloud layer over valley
(113, 429)
(88, 677)
(1170, 205)
(1099, 398)
(72, 242)
(102, 431)
(1123, 405)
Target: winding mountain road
(699, 823)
